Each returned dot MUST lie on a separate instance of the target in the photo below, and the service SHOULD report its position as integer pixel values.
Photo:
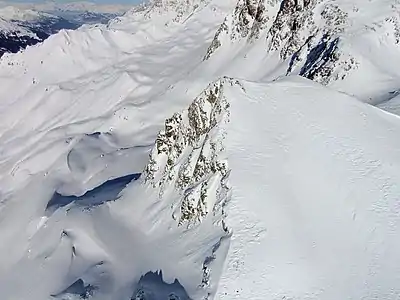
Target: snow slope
(162, 157)
(69, 6)
(20, 28)
(335, 43)
(315, 210)
(14, 13)
(7, 27)
(13, 36)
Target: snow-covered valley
(205, 149)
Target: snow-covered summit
(9, 27)
(49, 6)
(14, 37)
(17, 14)
(172, 12)
(121, 177)
(324, 41)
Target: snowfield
(205, 149)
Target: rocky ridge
(178, 11)
(306, 34)
(188, 159)
(247, 21)
(189, 173)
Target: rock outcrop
(313, 48)
(188, 174)
(306, 34)
(187, 160)
(247, 21)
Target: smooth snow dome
(205, 149)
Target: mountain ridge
(23, 27)
(200, 150)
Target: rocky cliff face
(306, 34)
(287, 31)
(247, 21)
(189, 174)
(188, 159)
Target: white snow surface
(67, 6)
(289, 192)
(7, 27)
(17, 14)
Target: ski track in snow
(94, 201)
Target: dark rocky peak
(247, 21)
(294, 18)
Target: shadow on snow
(108, 191)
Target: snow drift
(167, 156)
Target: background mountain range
(205, 149)
(22, 24)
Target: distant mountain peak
(22, 26)
(175, 10)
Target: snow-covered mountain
(14, 37)
(22, 27)
(325, 41)
(205, 149)
(95, 7)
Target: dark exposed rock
(187, 157)
(246, 22)
(13, 42)
(286, 34)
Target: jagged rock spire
(305, 33)
(248, 19)
(187, 159)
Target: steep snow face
(315, 211)
(324, 41)
(171, 219)
(121, 177)
(73, 146)
(21, 28)
(392, 104)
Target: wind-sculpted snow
(152, 287)
(134, 167)
(108, 191)
(171, 219)
(314, 207)
(187, 153)
(247, 21)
